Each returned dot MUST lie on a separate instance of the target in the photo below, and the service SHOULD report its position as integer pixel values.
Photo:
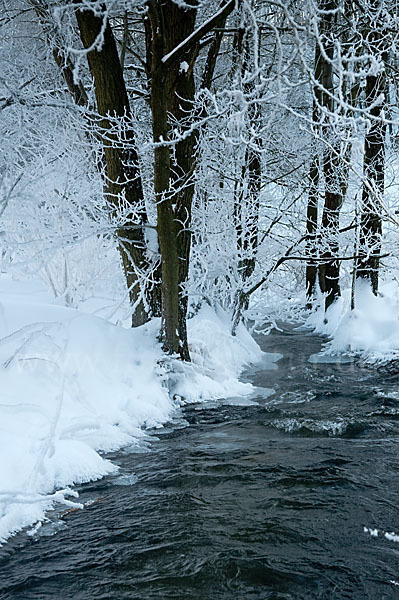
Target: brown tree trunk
(182, 178)
(172, 94)
(314, 181)
(311, 229)
(330, 267)
(247, 201)
(373, 172)
(123, 183)
(172, 48)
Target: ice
(268, 362)
(46, 528)
(184, 66)
(263, 393)
(128, 479)
(239, 401)
(330, 359)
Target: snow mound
(217, 357)
(73, 385)
(370, 330)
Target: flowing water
(267, 501)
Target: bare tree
(374, 149)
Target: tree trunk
(314, 182)
(330, 267)
(182, 177)
(172, 48)
(373, 172)
(247, 202)
(123, 183)
(335, 165)
(172, 93)
(311, 229)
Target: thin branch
(199, 33)
(288, 256)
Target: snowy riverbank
(370, 330)
(74, 386)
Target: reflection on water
(271, 500)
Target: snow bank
(371, 330)
(73, 385)
(217, 357)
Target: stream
(295, 496)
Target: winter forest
(181, 183)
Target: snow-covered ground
(74, 386)
(371, 330)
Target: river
(287, 498)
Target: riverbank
(74, 386)
(288, 497)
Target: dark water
(259, 502)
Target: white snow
(216, 357)
(186, 42)
(371, 330)
(372, 532)
(73, 385)
(391, 536)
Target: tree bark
(172, 95)
(314, 182)
(329, 270)
(330, 267)
(247, 202)
(373, 170)
(311, 229)
(123, 184)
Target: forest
(231, 156)
(177, 176)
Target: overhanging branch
(199, 33)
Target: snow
(216, 357)
(391, 536)
(372, 532)
(193, 35)
(371, 330)
(74, 386)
